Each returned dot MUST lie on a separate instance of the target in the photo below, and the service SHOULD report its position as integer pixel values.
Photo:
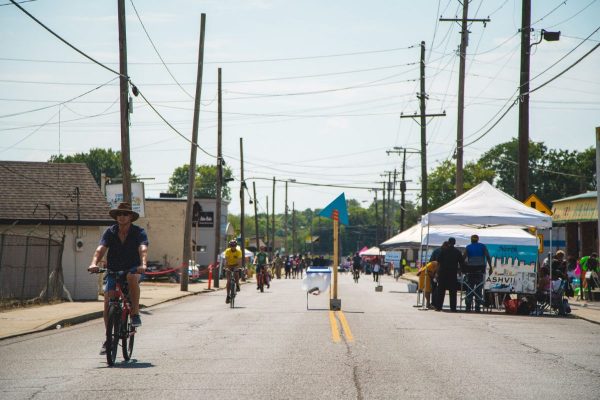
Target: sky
(314, 88)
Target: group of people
(574, 272)
(440, 274)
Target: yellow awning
(578, 210)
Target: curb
(79, 319)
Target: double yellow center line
(335, 330)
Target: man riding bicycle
(233, 263)
(356, 261)
(127, 246)
(261, 259)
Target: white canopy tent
(373, 251)
(485, 206)
(438, 234)
(408, 238)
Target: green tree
(553, 174)
(205, 185)
(97, 160)
(442, 181)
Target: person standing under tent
(450, 260)
(477, 256)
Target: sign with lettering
(206, 219)
(514, 269)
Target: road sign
(534, 202)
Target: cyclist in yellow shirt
(233, 263)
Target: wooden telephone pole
(187, 249)
(217, 219)
(464, 42)
(422, 96)
(124, 102)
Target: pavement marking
(345, 326)
(335, 331)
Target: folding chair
(471, 284)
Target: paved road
(271, 347)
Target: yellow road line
(335, 331)
(345, 326)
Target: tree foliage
(205, 185)
(97, 160)
(442, 181)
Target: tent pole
(550, 267)
(423, 265)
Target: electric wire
(57, 104)
(566, 55)
(66, 42)
(574, 15)
(562, 3)
(157, 52)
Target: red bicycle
(262, 278)
(118, 327)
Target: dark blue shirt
(123, 255)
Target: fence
(30, 268)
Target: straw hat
(124, 207)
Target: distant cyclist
(127, 247)
(356, 261)
(261, 259)
(233, 263)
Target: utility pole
(267, 227)
(464, 42)
(217, 219)
(187, 250)
(403, 150)
(393, 202)
(523, 157)
(390, 216)
(598, 182)
(242, 201)
(293, 228)
(273, 217)
(124, 102)
(255, 201)
(383, 212)
(422, 96)
(376, 218)
(285, 220)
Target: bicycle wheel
(127, 337)
(262, 282)
(112, 334)
(232, 292)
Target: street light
(523, 149)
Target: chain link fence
(31, 269)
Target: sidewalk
(586, 310)
(25, 320)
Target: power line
(574, 15)
(222, 61)
(171, 126)
(64, 41)
(562, 3)
(566, 55)
(60, 103)
(156, 51)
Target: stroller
(556, 303)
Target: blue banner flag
(336, 210)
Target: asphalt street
(271, 347)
